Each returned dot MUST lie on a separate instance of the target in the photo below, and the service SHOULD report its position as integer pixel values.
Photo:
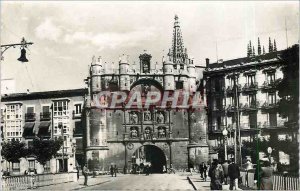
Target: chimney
(207, 62)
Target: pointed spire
(270, 45)
(275, 48)
(264, 52)
(250, 49)
(178, 53)
(258, 47)
(253, 51)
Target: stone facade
(116, 136)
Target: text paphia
(177, 99)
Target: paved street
(142, 182)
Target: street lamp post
(225, 133)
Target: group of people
(113, 170)
(219, 174)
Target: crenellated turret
(124, 73)
(96, 72)
(169, 81)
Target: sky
(66, 35)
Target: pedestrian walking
(202, 170)
(77, 171)
(85, 174)
(216, 175)
(263, 175)
(249, 166)
(234, 174)
(225, 168)
(111, 170)
(164, 169)
(115, 170)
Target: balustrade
(32, 181)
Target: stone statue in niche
(161, 132)
(147, 116)
(147, 133)
(160, 118)
(133, 132)
(134, 118)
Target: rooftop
(44, 94)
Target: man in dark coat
(85, 174)
(225, 168)
(202, 170)
(234, 174)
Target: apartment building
(242, 93)
(47, 115)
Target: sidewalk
(78, 185)
(199, 184)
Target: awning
(28, 130)
(44, 129)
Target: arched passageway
(150, 154)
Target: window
(272, 98)
(65, 124)
(31, 165)
(60, 108)
(78, 108)
(251, 79)
(47, 166)
(252, 99)
(253, 120)
(13, 122)
(273, 119)
(29, 109)
(271, 78)
(14, 111)
(16, 166)
(179, 85)
(46, 109)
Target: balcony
(232, 108)
(269, 107)
(45, 116)
(230, 90)
(270, 85)
(252, 107)
(250, 87)
(76, 115)
(29, 117)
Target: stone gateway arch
(176, 136)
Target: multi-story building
(242, 94)
(131, 136)
(46, 115)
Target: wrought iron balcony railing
(269, 106)
(45, 116)
(76, 115)
(30, 117)
(250, 87)
(270, 85)
(231, 89)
